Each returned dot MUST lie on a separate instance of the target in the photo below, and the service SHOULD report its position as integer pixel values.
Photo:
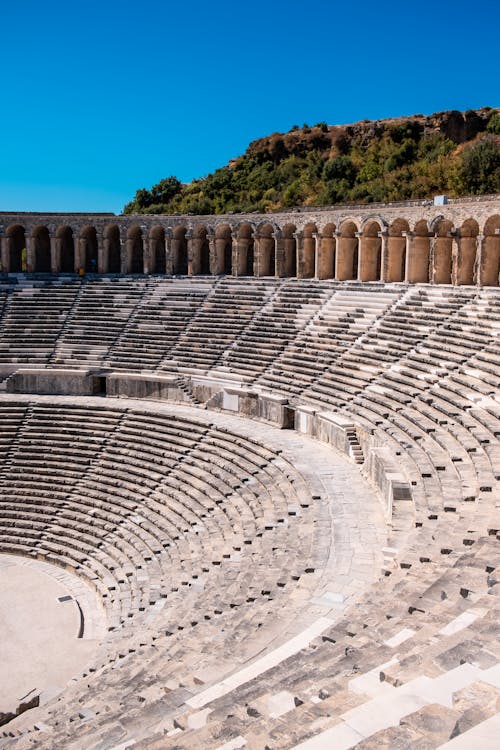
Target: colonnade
(433, 251)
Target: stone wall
(416, 241)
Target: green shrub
(493, 125)
(480, 169)
(339, 168)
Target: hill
(457, 153)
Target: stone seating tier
(416, 370)
(141, 494)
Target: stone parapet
(413, 241)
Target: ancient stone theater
(250, 479)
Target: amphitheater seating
(229, 309)
(191, 535)
(276, 325)
(339, 322)
(100, 492)
(162, 315)
(32, 320)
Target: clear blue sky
(101, 98)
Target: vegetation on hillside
(450, 153)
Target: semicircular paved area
(50, 625)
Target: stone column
(146, 253)
(432, 258)
(127, 246)
(103, 244)
(190, 253)
(279, 254)
(77, 244)
(237, 245)
(257, 265)
(384, 255)
(299, 251)
(169, 259)
(455, 258)
(214, 263)
(5, 241)
(30, 253)
(55, 253)
(122, 250)
(215, 253)
(359, 274)
(318, 255)
(409, 240)
(479, 266)
(337, 236)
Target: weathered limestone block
(60, 382)
(157, 387)
(392, 484)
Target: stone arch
(289, 251)
(158, 261)
(370, 264)
(16, 253)
(490, 266)
(348, 250)
(443, 250)
(465, 265)
(135, 250)
(112, 242)
(179, 251)
(382, 223)
(419, 256)
(66, 249)
(223, 250)
(308, 264)
(396, 250)
(267, 250)
(41, 249)
(200, 260)
(326, 259)
(89, 249)
(245, 254)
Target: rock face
(457, 126)
(461, 126)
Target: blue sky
(101, 98)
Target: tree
(339, 168)
(480, 169)
(159, 195)
(165, 190)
